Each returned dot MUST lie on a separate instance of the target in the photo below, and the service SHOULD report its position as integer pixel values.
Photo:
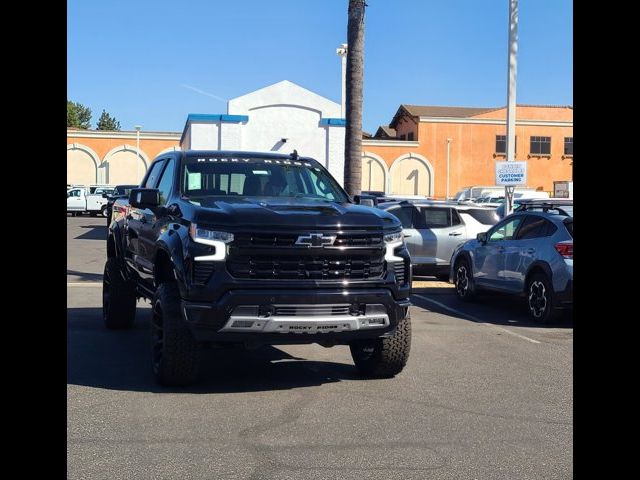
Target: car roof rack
(544, 205)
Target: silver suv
(528, 253)
(433, 229)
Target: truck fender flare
(115, 235)
(171, 244)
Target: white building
(278, 118)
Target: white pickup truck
(79, 201)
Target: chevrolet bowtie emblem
(316, 240)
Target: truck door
(136, 226)
(76, 200)
(151, 230)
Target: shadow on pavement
(493, 308)
(121, 360)
(85, 276)
(96, 232)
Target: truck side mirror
(144, 198)
(366, 200)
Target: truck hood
(298, 213)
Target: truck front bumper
(296, 316)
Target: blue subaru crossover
(528, 253)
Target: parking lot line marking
(475, 319)
(84, 284)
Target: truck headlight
(394, 237)
(216, 239)
(393, 241)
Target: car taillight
(119, 209)
(565, 249)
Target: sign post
(511, 96)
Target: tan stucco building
(409, 156)
(102, 157)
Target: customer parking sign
(511, 173)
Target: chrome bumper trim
(305, 323)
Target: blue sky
(141, 60)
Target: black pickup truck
(257, 249)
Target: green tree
(354, 85)
(78, 116)
(107, 122)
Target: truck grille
(311, 310)
(244, 240)
(357, 255)
(307, 267)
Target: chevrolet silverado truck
(256, 249)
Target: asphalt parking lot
(486, 395)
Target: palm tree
(355, 70)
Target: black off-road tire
(176, 354)
(384, 357)
(463, 280)
(118, 297)
(541, 300)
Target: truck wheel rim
(157, 335)
(537, 298)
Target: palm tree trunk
(355, 74)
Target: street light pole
(511, 96)
(448, 155)
(342, 53)
(138, 128)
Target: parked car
(529, 253)
(433, 229)
(79, 202)
(543, 200)
(91, 189)
(398, 198)
(120, 191)
(518, 198)
(471, 193)
(375, 193)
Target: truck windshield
(257, 177)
